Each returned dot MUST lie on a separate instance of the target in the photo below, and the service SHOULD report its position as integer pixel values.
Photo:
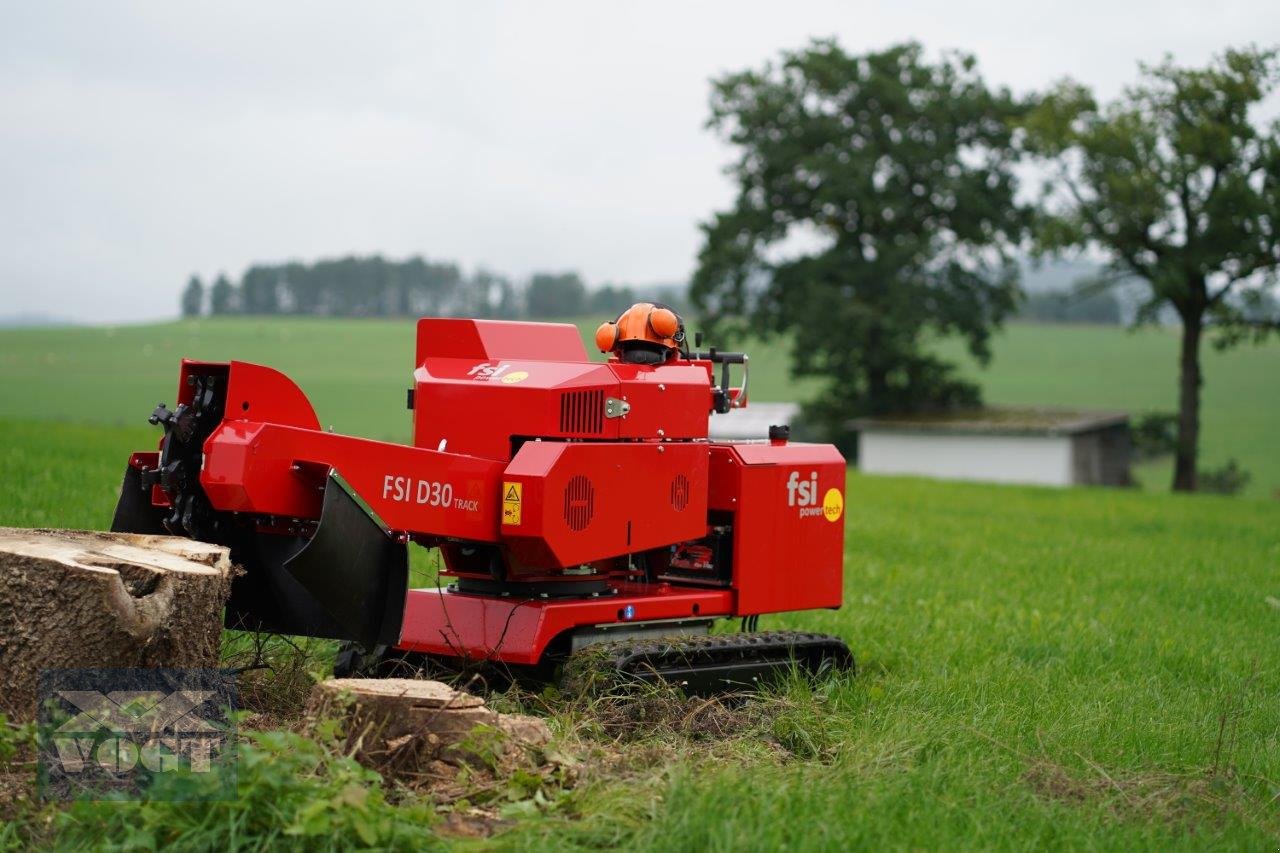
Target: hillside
(355, 372)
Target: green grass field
(1076, 668)
(355, 372)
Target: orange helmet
(645, 334)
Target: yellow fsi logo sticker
(512, 493)
(832, 505)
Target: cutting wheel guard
(354, 569)
(348, 581)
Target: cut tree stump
(403, 726)
(74, 599)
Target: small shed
(750, 422)
(1051, 447)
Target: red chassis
(567, 498)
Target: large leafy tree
(874, 211)
(1179, 186)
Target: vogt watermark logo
(154, 733)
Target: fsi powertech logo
(147, 733)
(484, 372)
(803, 493)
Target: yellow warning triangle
(512, 494)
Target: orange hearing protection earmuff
(664, 322)
(607, 337)
(643, 325)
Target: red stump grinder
(573, 503)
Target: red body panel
(612, 474)
(788, 537)
(582, 502)
(518, 631)
(451, 337)
(280, 470)
(523, 398)
(478, 407)
(670, 401)
(254, 392)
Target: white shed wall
(1041, 460)
(751, 422)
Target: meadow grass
(356, 371)
(1080, 668)
(1070, 668)
(1077, 668)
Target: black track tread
(647, 657)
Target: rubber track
(645, 659)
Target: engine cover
(569, 503)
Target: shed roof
(997, 420)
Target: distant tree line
(375, 286)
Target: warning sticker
(511, 495)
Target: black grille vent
(582, 411)
(579, 503)
(680, 492)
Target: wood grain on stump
(400, 725)
(72, 599)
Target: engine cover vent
(680, 492)
(582, 411)
(579, 502)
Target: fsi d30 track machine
(573, 503)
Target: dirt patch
(643, 714)
(17, 770)
(473, 823)
(475, 757)
(768, 723)
(17, 790)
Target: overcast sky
(142, 142)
